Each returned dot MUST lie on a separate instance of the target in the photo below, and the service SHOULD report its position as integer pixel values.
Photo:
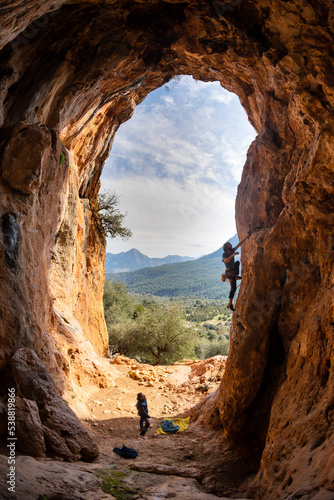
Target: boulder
(123, 360)
(64, 433)
(29, 432)
(45, 479)
(209, 367)
(26, 154)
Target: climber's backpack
(126, 452)
(169, 427)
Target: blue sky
(175, 166)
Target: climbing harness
(228, 276)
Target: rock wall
(77, 270)
(71, 74)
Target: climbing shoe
(230, 306)
(239, 277)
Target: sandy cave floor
(190, 465)
(197, 452)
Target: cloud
(168, 99)
(167, 217)
(176, 165)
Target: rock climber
(232, 267)
(143, 413)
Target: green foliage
(118, 305)
(203, 310)
(119, 311)
(110, 217)
(196, 278)
(206, 349)
(62, 158)
(112, 484)
(156, 330)
(160, 336)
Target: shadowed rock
(64, 433)
(79, 69)
(28, 428)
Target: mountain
(199, 277)
(133, 260)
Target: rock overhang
(79, 70)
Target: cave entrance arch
(71, 74)
(176, 165)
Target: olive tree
(160, 336)
(111, 219)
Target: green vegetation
(62, 158)
(160, 331)
(159, 336)
(207, 348)
(198, 278)
(202, 310)
(110, 217)
(112, 484)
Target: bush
(110, 217)
(160, 336)
(156, 333)
(206, 349)
(118, 305)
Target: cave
(71, 73)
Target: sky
(175, 166)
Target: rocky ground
(186, 466)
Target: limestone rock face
(55, 479)
(77, 271)
(64, 434)
(25, 156)
(29, 427)
(71, 74)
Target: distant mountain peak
(194, 277)
(133, 259)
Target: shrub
(160, 336)
(206, 349)
(110, 217)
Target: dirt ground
(111, 417)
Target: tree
(118, 305)
(110, 217)
(156, 333)
(160, 337)
(119, 311)
(206, 349)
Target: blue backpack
(126, 452)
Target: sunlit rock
(76, 71)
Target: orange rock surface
(71, 73)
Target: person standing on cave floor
(143, 413)
(232, 267)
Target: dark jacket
(229, 265)
(142, 408)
